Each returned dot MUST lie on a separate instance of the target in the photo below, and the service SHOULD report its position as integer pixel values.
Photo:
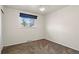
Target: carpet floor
(42, 46)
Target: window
(27, 20)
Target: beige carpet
(38, 47)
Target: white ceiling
(35, 8)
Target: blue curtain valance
(28, 16)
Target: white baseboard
(63, 44)
(22, 42)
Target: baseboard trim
(63, 45)
(21, 43)
(44, 39)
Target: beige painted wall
(63, 27)
(15, 33)
(0, 29)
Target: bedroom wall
(1, 46)
(15, 33)
(62, 27)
